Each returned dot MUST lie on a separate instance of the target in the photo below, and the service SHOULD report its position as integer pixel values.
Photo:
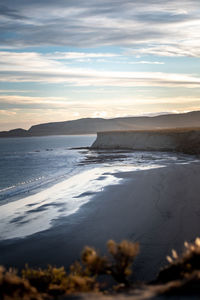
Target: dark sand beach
(158, 207)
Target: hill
(93, 125)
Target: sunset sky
(68, 59)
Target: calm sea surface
(29, 163)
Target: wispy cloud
(79, 55)
(145, 62)
(34, 67)
(2, 91)
(91, 23)
(33, 102)
(4, 112)
(59, 103)
(186, 48)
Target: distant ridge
(94, 125)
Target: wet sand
(159, 208)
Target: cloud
(186, 48)
(34, 67)
(99, 114)
(144, 62)
(14, 91)
(33, 102)
(59, 103)
(4, 112)
(9, 13)
(134, 24)
(78, 55)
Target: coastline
(35, 213)
(159, 208)
(182, 140)
(29, 167)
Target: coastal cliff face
(186, 141)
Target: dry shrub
(119, 266)
(80, 280)
(188, 286)
(183, 265)
(93, 262)
(37, 284)
(14, 287)
(123, 255)
(77, 283)
(55, 281)
(46, 280)
(182, 275)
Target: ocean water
(29, 163)
(43, 179)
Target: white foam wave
(36, 212)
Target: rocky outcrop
(181, 140)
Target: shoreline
(159, 208)
(64, 196)
(33, 190)
(61, 199)
(28, 167)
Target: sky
(69, 59)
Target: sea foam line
(36, 212)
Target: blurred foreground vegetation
(91, 274)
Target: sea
(43, 179)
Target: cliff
(93, 125)
(181, 140)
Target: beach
(158, 207)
